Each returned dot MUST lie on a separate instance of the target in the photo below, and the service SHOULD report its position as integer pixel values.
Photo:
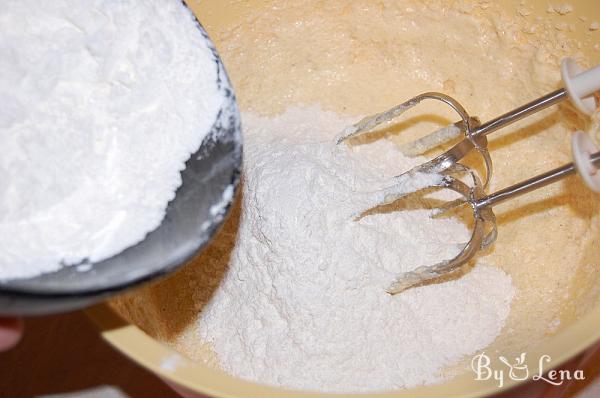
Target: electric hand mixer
(579, 87)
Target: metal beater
(579, 87)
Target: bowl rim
(151, 354)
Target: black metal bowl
(208, 178)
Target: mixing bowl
(140, 324)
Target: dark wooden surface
(64, 353)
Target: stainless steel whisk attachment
(484, 226)
(579, 87)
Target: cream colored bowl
(155, 315)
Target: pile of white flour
(303, 302)
(102, 103)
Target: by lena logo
(518, 370)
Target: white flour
(303, 303)
(102, 103)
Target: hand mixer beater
(579, 87)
